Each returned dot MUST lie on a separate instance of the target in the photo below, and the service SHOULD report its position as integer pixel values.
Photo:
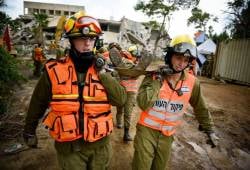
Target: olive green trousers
(80, 155)
(152, 149)
(126, 110)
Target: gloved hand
(213, 140)
(162, 72)
(158, 77)
(166, 70)
(30, 140)
(100, 63)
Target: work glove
(162, 73)
(166, 70)
(213, 140)
(30, 139)
(100, 64)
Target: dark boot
(115, 57)
(119, 125)
(127, 136)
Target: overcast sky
(116, 9)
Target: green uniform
(152, 148)
(38, 68)
(126, 110)
(76, 154)
(123, 63)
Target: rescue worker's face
(179, 62)
(84, 44)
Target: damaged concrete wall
(125, 32)
(132, 32)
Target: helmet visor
(86, 21)
(186, 49)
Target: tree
(2, 3)
(200, 19)
(15, 24)
(219, 38)
(163, 9)
(41, 23)
(152, 24)
(239, 18)
(5, 19)
(210, 31)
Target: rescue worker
(38, 58)
(163, 97)
(78, 94)
(130, 85)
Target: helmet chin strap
(82, 60)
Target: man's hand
(30, 140)
(213, 140)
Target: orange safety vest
(64, 119)
(38, 54)
(129, 84)
(167, 112)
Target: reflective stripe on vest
(65, 96)
(130, 85)
(76, 96)
(167, 112)
(163, 116)
(63, 118)
(155, 125)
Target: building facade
(50, 9)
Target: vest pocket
(62, 127)
(68, 127)
(50, 122)
(99, 127)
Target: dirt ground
(229, 105)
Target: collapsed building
(125, 32)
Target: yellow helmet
(80, 24)
(184, 44)
(133, 49)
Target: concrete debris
(219, 157)
(198, 149)
(242, 158)
(15, 148)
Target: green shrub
(9, 76)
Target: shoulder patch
(185, 89)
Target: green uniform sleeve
(38, 104)
(200, 109)
(148, 92)
(116, 93)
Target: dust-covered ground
(229, 105)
